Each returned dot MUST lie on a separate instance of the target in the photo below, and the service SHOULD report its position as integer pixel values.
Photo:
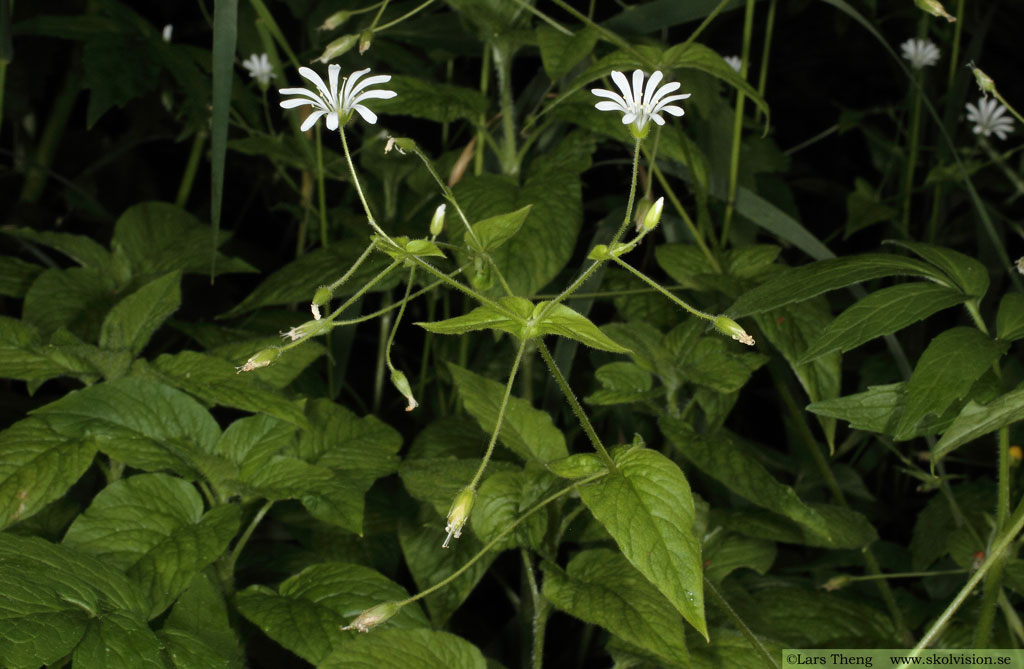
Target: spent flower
(308, 329)
(259, 69)
(261, 359)
(735, 62)
(459, 514)
(373, 616)
(640, 104)
(920, 53)
(989, 117)
(728, 326)
(337, 105)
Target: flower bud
(402, 384)
(935, 8)
(338, 47)
(728, 326)
(437, 221)
(836, 582)
(653, 215)
(985, 82)
(365, 40)
(321, 297)
(373, 616)
(459, 514)
(1015, 455)
(261, 359)
(335, 20)
(1019, 264)
(308, 329)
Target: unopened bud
(400, 382)
(1019, 264)
(459, 514)
(836, 582)
(335, 20)
(308, 329)
(437, 221)
(728, 326)
(1015, 455)
(935, 8)
(261, 359)
(365, 40)
(321, 297)
(338, 47)
(653, 216)
(373, 616)
(985, 82)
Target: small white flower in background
(259, 69)
(1020, 265)
(337, 105)
(735, 62)
(639, 104)
(168, 32)
(920, 52)
(989, 117)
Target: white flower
(259, 69)
(1020, 265)
(338, 106)
(735, 62)
(920, 53)
(988, 117)
(168, 32)
(639, 104)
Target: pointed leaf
(1010, 319)
(16, 276)
(560, 52)
(493, 232)
(83, 250)
(487, 317)
(197, 632)
(976, 420)
(966, 272)
(406, 648)
(563, 321)
(132, 321)
(645, 504)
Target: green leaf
(406, 648)
(563, 321)
(729, 648)
(23, 355)
(75, 298)
(883, 312)
(140, 422)
(578, 466)
(1010, 319)
(216, 382)
(493, 232)
(601, 588)
(502, 499)
(947, 369)
(802, 283)
(545, 242)
(847, 529)
(432, 100)
(83, 250)
(721, 457)
(877, 409)
(693, 55)
(966, 272)
(37, 466)
(197, 633)
(645, 504)
(306, 612)
(284, 370)
(560, 52)
(119, 639)
(864, 208)
(54, 597)
(719, 364)
(225, 35)
(806, 619)
(726, 552)
(486, 317)
(976, 420)
(525, 430)
(133, 320)
(623, 383)
(297, 281)
(111, 78)
(429, 564)
(159, 237)
(152, 527)
(16, 276)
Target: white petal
(672, 109)
(601, 93)
(311, 120)
(370, 81)
(315, 78)
(378, 94)
(298, 102)
(658, 119)
(628, 118)
(663, 91)
(346, 94)
(638, 86)
(623, 84)
(652, 86)
(332, 73)
(608, 105)
(332, 120)
(367, 115)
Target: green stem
(62, 104)
(351, 270)
(997, 159)
(697, 236)
(378, 375)
(989, 602)
(244, 539)
(398, 318)
(191, 167)
(769, 29)
(654, 284)
(359, 189)
(906, 574)
(503, 67)
(501, 537)
(912, 148)
(501, 417)
(408, 14)
(1008, 106)
(447, 192)
(739, 624)
(737, 126)
(320, 188)
(954, 57)
(481, 124)
(1003, 490)
(541, 609)
(577, 409)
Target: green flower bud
(308, 329)
(261, 359)
(459, 514)
(437, 221)
(335, 20)
(321, 297)
(338, 47)
(653, 216)
(365, 40)
(836, 582)
(985, 82)
(402, 144)
(402, 384)
(935, 8)
(373, 616)
(728, 326)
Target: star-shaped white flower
(259, 69)
(640, 104)
(735, 62)
(988, 118)
(920, 53)
(337, 105)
